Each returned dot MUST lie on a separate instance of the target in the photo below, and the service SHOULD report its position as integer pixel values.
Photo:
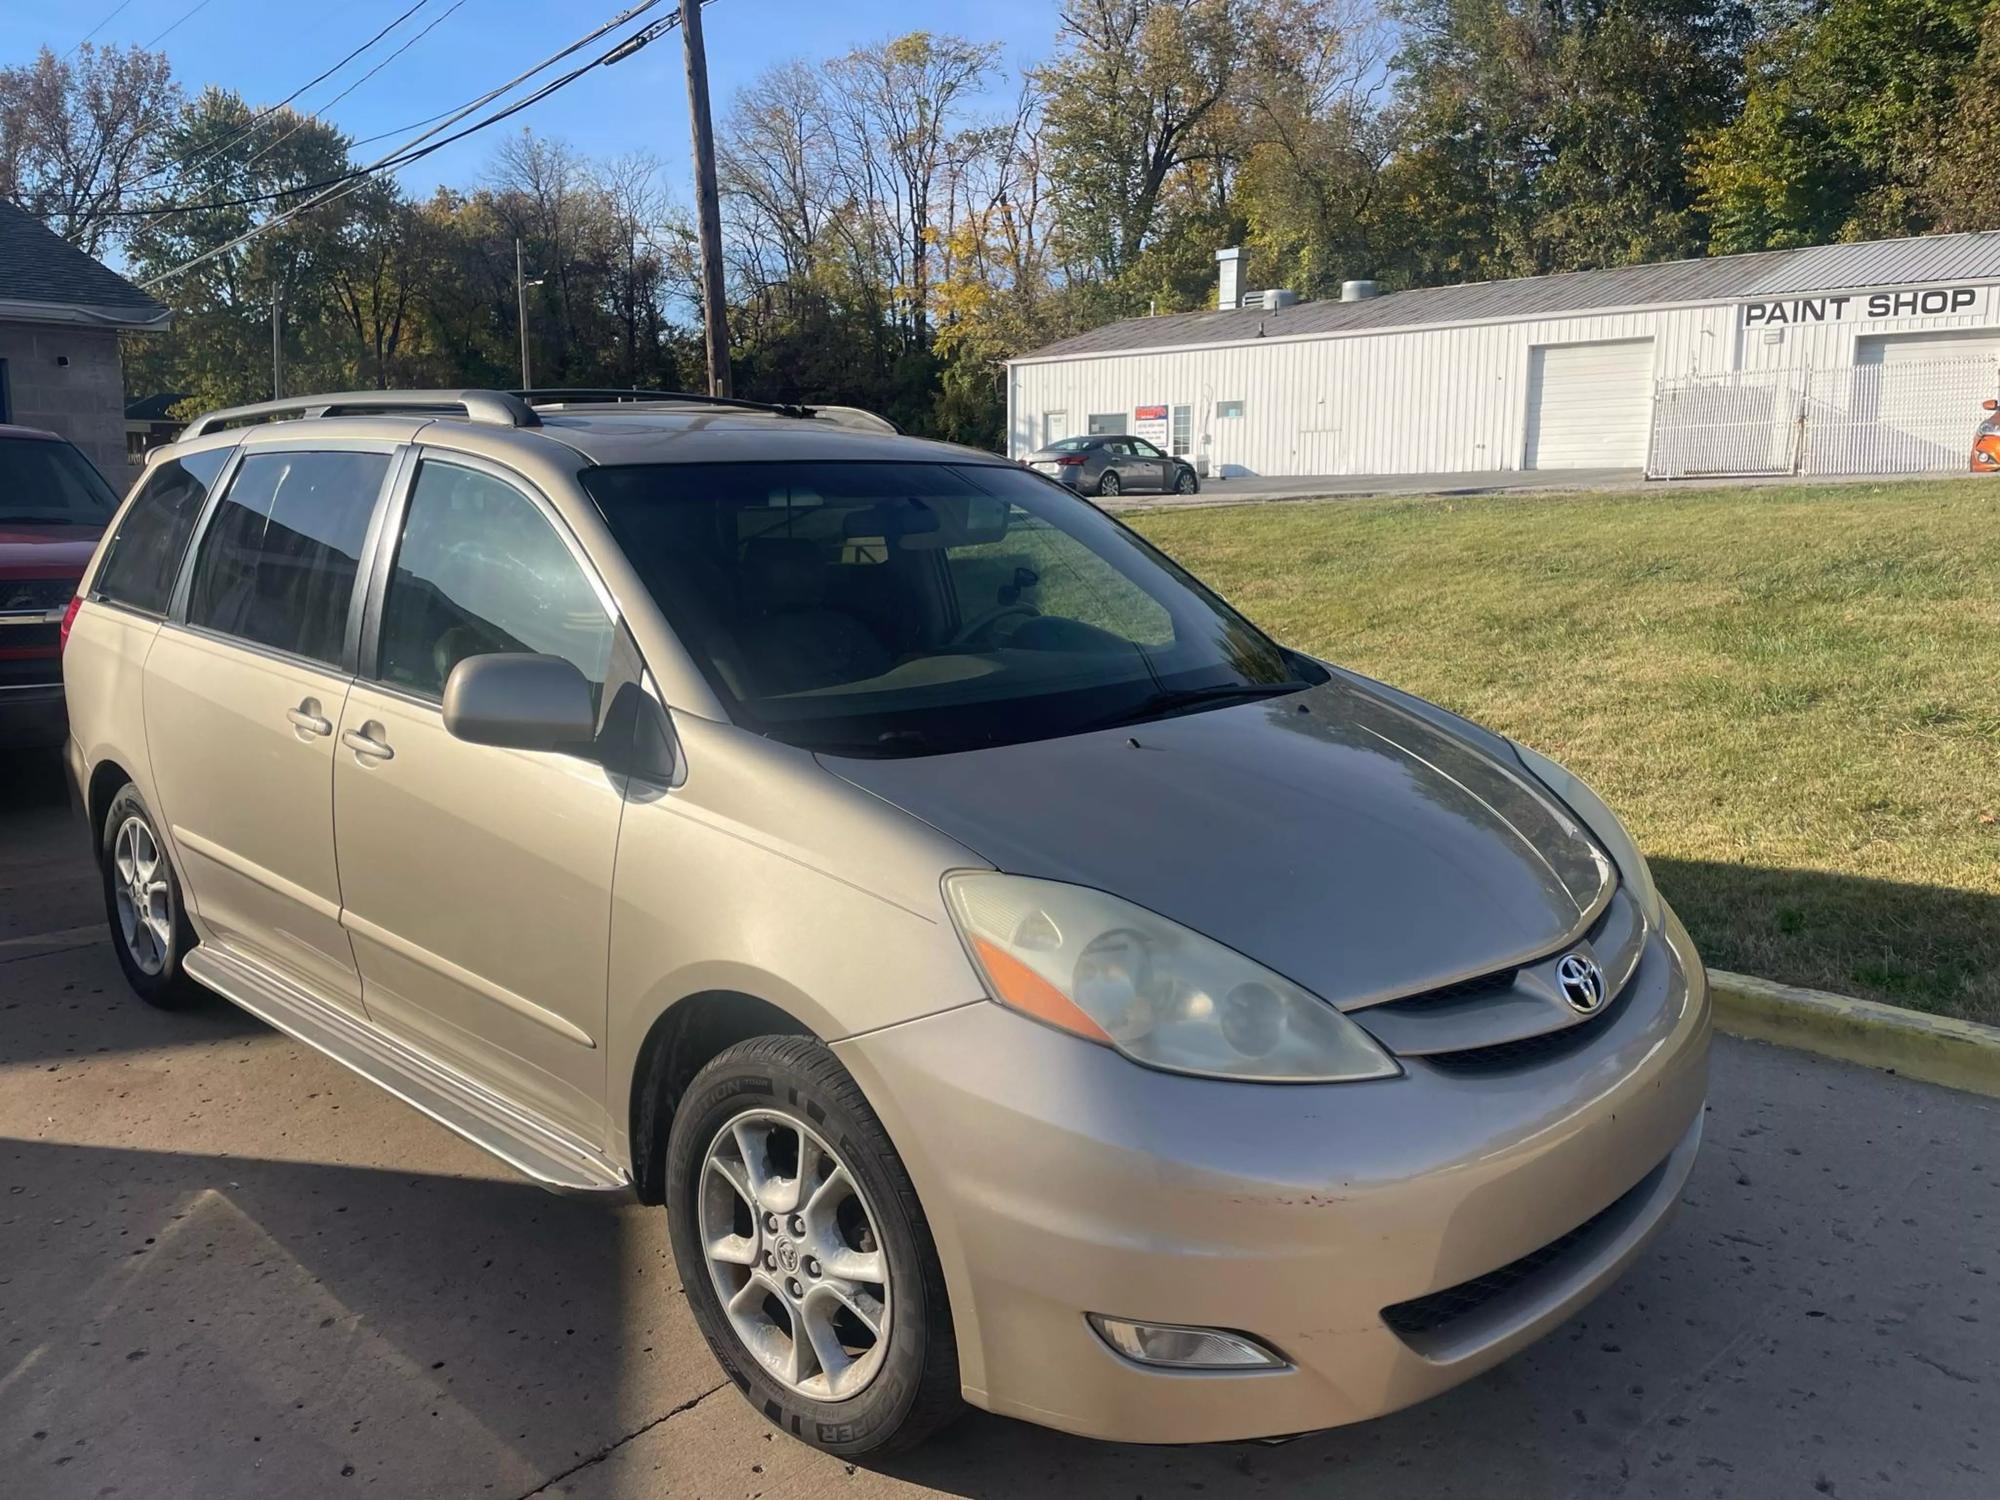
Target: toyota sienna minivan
(1022, 981)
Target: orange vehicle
(1986, 442)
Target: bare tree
(900, 100)
(77, 135)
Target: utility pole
(521, 302)
(277, 339)
(715, 316)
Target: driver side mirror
(519, 701)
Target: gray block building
(60, 316)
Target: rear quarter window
(145, 556)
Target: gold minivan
(1022, 981)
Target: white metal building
(1841, 358)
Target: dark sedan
(53, 507)
(1113, 464)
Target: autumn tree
(79, 137)
(1844, 121)
(1133, 92)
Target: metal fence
(1909, 418)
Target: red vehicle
(53, 507)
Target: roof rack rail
(610, 396)
(494, 408)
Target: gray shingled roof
(40, 268)
(1722, 278)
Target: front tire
(1185, 483)
(142, 902)
(804, 1252)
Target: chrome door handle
(311, 723)
(366, 744)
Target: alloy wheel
(795, 1255)
(142, 896)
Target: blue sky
(265, 50)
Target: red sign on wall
(1149, 414)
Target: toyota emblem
(1582, 982)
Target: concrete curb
(1937, 1049)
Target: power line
(116, 12)
(369, 140)
(436, 21)
(264, 114)
(188, 15)
(407, 153)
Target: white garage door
(1590, 406)
(1925, 348)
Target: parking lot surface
(230, 1268)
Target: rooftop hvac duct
(1228, 278)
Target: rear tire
(142, 902)
(764, 1122)
(1107, 482)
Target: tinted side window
(278, 562)
(145, 555)
(480, 570)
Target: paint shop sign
(1932, 303)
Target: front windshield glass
(50, 483)
(908, 609)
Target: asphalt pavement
(230, 1268)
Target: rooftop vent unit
(1271, 299)
(1358, 291)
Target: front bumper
(1061, 1179)
(33, 716)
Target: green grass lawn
(1792, 695)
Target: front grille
(34, 595)
(1437, 1310)
(1525, 1051)
(1495, 983)
(40, 665)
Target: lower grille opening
(1436, 1311)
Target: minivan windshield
(44, 482)
(892, 609)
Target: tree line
(891, 232)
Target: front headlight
(1115, 973)
(1575, 794)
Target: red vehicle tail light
(1071, 461)
(68, 619)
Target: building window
(1183, 430)
(1226, 409)
(1111, 423)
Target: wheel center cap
(788, 1257)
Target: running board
(545, 1157)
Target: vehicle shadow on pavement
(1935, 948)
(179, 1324)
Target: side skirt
(545, 1156)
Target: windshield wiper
(1173, 700)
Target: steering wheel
(977, 630)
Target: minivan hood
(1348, 845)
